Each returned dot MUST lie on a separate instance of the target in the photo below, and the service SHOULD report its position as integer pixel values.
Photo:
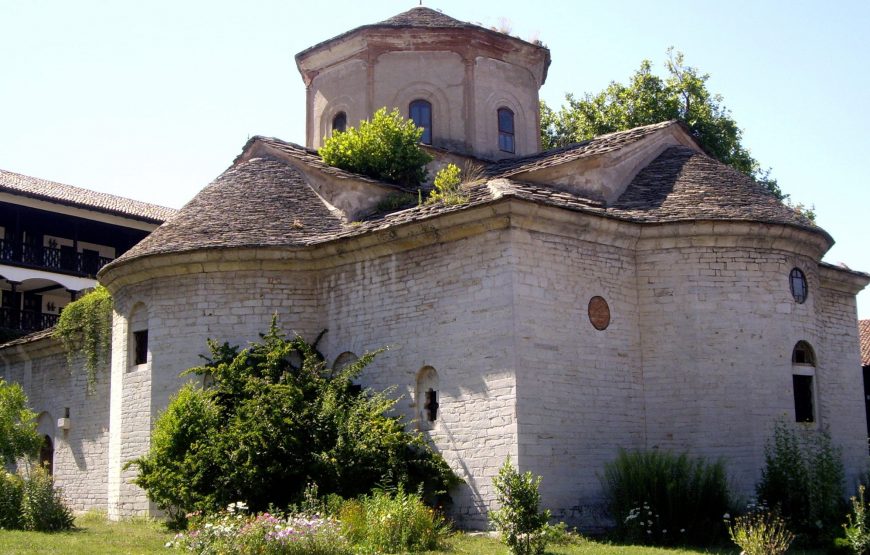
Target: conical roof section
(258, 203)
(421, 16)
(683, 184)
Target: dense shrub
(42, 507)
(18, 436)
(234, 531)
(761, 533)
(385, 148)
(84, 328)
(398, 522)
(11, 493)
(275, 419)
(803, 477)
(522, 528)
(664, 498)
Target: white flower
(726, 516)
(167, 544)
(682, 530)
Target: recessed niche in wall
(798, 283)
(599, 313)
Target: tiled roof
(418, 17)
(864, 336)
(421, 16)
(682, 184)
(309, 156)
(266, 201)
(29, 338)
(33, 187)
(259, 202)
(592, 147)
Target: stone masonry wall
(579, 388)
(718, 327)
(80, 453)
(447, 306)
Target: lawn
(96, 536)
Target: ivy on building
(85, 331)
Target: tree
(385, 148)
(647, 99)
(274, 420)
(18, 435)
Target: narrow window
(46, 455)
(505, 130)
(803, 360)
(798, 282)
(140, 340)
(427, 398)
(339, 122)
(421, 112)
(803, 398)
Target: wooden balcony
(64, 260)
(26, 320)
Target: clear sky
(152, 100)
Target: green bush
(761, 533)
(398, 522)
(385, 148)
(84, 328)
(269, 425)
(447, 186)
(803, 477)
(11, 494)
(18, 436)
(42, 508)
(523, 529)
(663, 498)
(857, 525)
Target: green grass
(96, 536)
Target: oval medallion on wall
(599, 313)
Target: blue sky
(152, 100)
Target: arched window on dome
(339, 122)
(420, 111)
(506, 130)
(803, 362)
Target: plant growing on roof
(385, 147)
(85, 331)
(447, 184)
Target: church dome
(473, 90)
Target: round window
(599, 313)
(798, 283)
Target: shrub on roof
(387, 148)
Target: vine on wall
(85, 331)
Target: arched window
(803, 360)
(343, 360)
(339, 122)
(427, 398)
(506, 130)
(421, 112)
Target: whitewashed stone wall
(580, 395)
(80, 453)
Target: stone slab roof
(259, 202)
(592, 147)
(29, 338)
(266, 201)
(33, 187)
(864, 337)
(418, 17)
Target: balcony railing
(52, 259)
(26, 320)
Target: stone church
(627, 292)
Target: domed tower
(473, 90)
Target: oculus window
(798, 283)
